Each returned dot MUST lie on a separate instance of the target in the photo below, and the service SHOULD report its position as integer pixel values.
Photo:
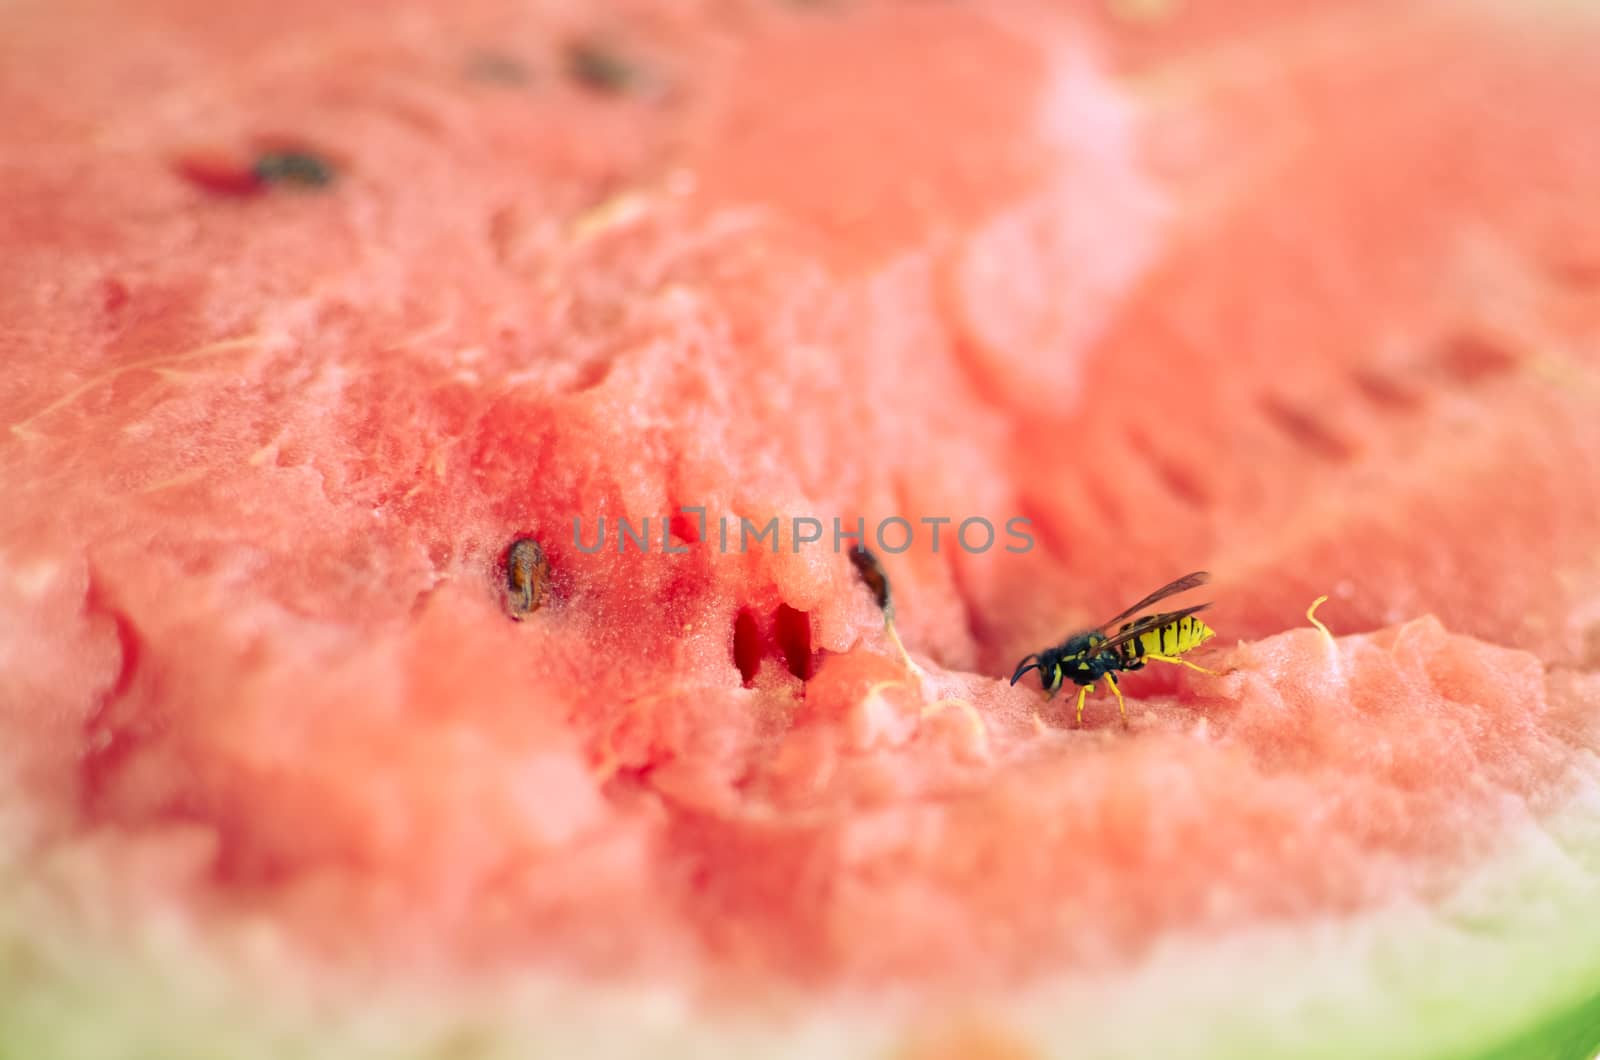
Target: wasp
(1092, 654)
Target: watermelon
(437, 437)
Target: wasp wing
(1145, 625)
(1188, 581)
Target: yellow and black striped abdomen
(1173, 638)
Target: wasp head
(1048, 665)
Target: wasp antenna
(1024, 666)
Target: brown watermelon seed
(527, 577)
(293, 167)
(877, 579)
(599, 66)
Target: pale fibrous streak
(162, 365)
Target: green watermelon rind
(1507, 966)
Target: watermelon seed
(527, 577)
(876, 578)
(870, 568)
(603, 68)
(293, 167)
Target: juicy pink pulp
(1316, 319)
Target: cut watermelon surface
(310, 313)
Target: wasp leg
(1180, 662)
(1122, 707)
(1082, 692)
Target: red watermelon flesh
(1306, 297)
